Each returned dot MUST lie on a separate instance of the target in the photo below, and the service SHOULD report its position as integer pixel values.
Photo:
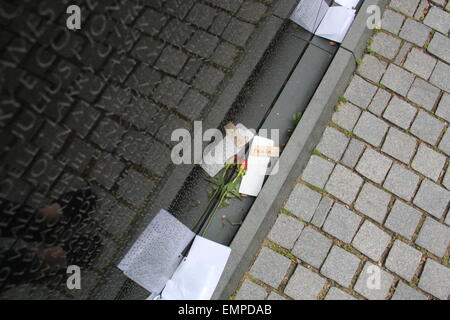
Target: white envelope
(199, 273)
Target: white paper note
(336, 23)
(156, 254)
(253, 179)
(218, 154)
(351, 4)
(197, 276)
(309, 14)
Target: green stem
(222, 197)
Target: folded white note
(197, 276)
(327, 22)
(253, 179)
(156, 254)
(217, 154)
(336, 23)
(351, 4)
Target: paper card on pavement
(198, 274)
(257, 164)
(156, 254)
(309, 13)
(336, 23)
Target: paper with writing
(331, 23)
(265, 151)
(253, 179)
(309, 14)
(156, 254)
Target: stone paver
(339, 295)
(374, 290)
(371, 129)
(373, 202)
(424, 94)
(372, 68)
(304, 284)
(407, 7)
(373, 165)
(441, 76)
(398, 79)
(303, 202)
(270, 267)
(432, 198)
(434, 236)
(403, 260)
(427, 127)
(405, 292)
(344, 184)
(340, 266)
(353, 152)
(322, 211)
(360, 92)
(400, 112)
(401, 182)
(429, 162)
(440, 46)
(438, 19)
(420, 63)
(333, 144)
(386, 45)
(379, 102)
(444, 145)
(403, 219)
(371, 240)
(435, 279)
(443, 109)
(342, 223)
(275, 296)
(399, 145)
(347, 116)
(312, 247)
(387, 181)
(392, 21)
(251, 291)
(317, 171)
(285, 231)
(415, 32)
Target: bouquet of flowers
(226, 187)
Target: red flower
(244, 164)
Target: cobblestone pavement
(97, 106)
(376, 189)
